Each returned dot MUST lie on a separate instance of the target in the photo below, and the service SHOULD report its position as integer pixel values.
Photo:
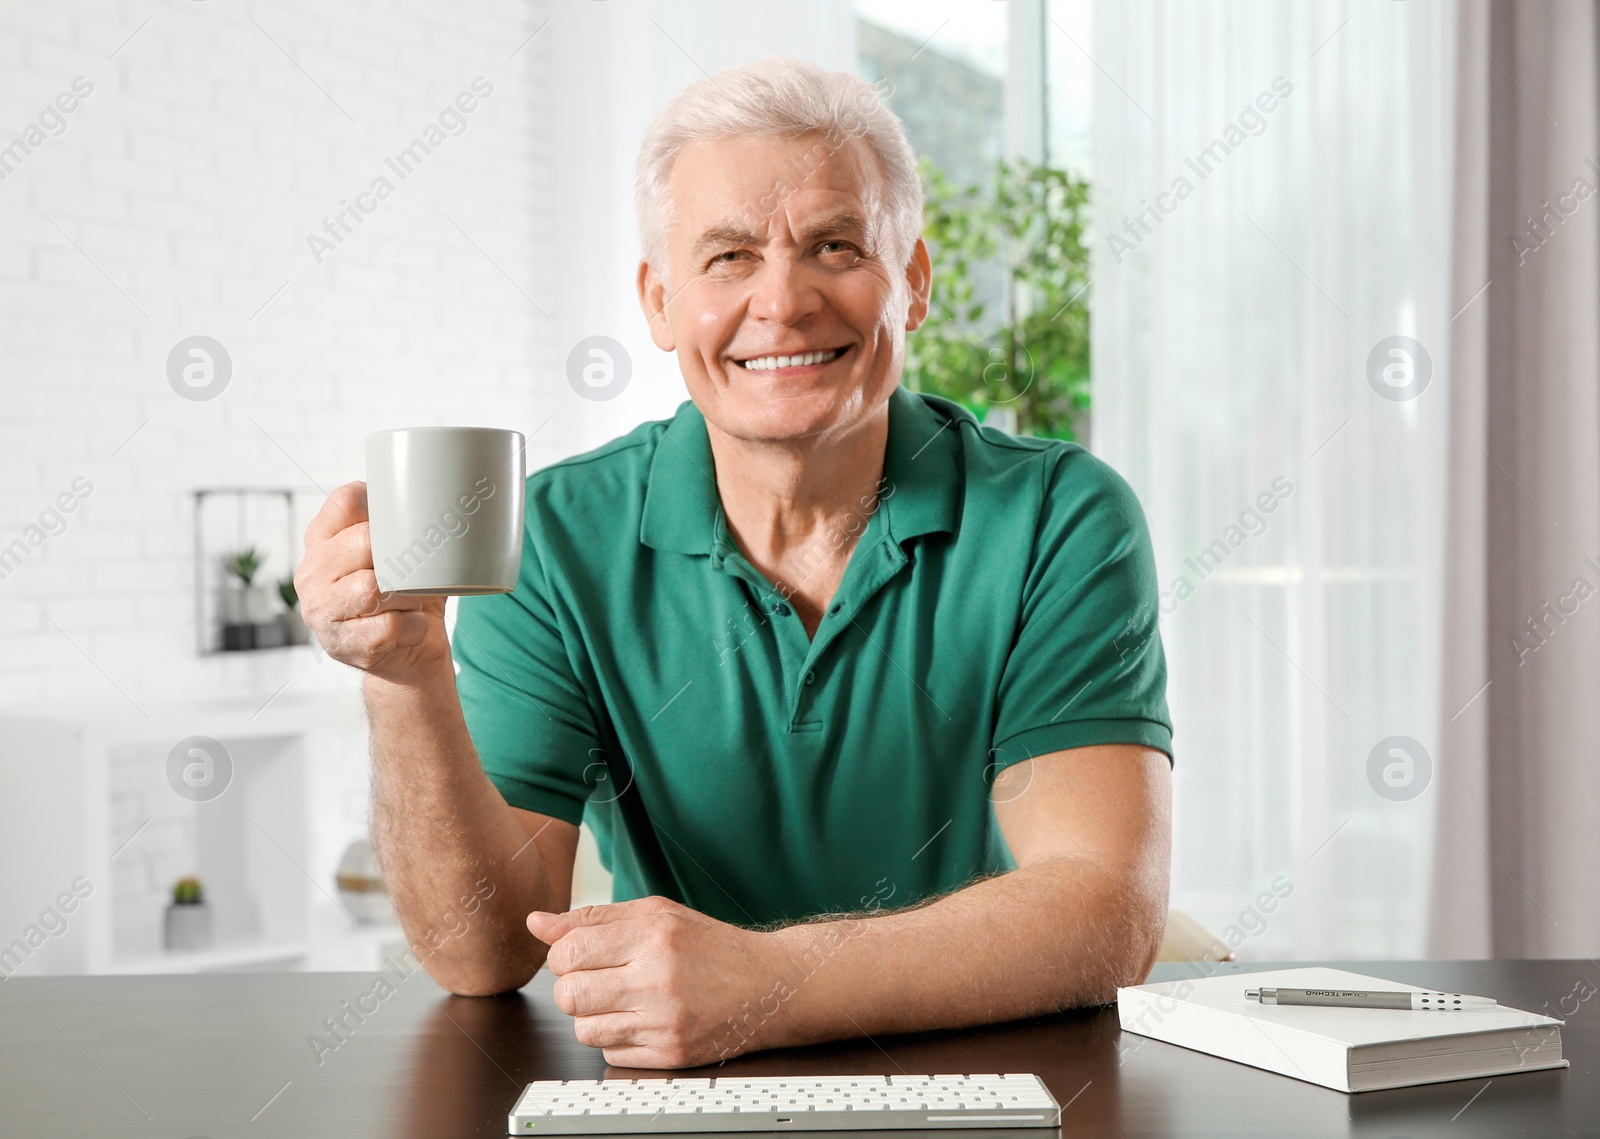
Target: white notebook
(1347, 1049)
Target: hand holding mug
(395, 637)
(441, 514)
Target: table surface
(221, 1055)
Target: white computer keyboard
(782, 1103)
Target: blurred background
(1319, 280)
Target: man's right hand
(396, 638)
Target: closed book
(1347, 1049)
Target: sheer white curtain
(1272, 203)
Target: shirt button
(811, 676)
(781, 609)
(834, 612)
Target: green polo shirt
(1001, 604)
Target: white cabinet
(93, 833)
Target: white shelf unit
(84, 796)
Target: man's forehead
(758, 184)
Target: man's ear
(919, 282)
(653, 300)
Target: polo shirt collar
(922, 466)
(921, 463)
(680, 499)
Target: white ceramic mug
(445, 509)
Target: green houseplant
(246, 611)
(243, 565)
(1026, 226)
(294, 627)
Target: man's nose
(784, 291)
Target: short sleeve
(529, 717)
(1087, 665)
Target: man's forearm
(462, 873)
(1060, 933)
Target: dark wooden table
(234, 1055)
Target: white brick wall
(190, 178)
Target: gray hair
(787, 98)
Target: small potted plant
(245, 609)
(188, 921)
(294, 627)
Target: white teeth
(767, 363)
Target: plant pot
(294, 627)
(246, 605)
(260, 604)
(187, 927)
(230, 605)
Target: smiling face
(783, 306)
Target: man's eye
(727, 255)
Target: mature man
(863, 701)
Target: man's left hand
(658, 985)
